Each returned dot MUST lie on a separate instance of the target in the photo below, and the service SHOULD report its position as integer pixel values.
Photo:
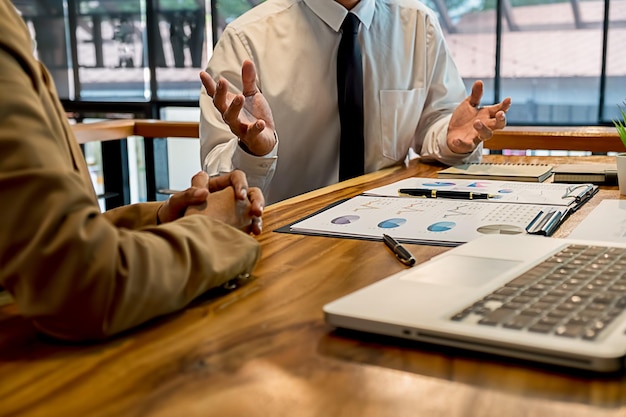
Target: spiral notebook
(596, 173)
(499, 172)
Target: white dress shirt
(411, 87)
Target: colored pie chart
(345, 219)
(441, 226)
(438, 184)
(391, 223)
(500, 229)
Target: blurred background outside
(562, 62)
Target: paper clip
(578, 192)
(545, 223)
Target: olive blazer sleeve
(76, 272)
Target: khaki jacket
(76, 272)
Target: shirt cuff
(259, 169)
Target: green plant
(620, 124)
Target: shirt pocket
(400, 111)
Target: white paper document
(443, 221)
(504, 191)
(606, 222)
(421, 220)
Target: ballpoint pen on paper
(431, 193)
(400, 251)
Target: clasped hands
(226, 198)
(249, 115)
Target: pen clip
(401, 253)
(545, 223)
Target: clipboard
(547, 222)
(581, 194)
(440, 221)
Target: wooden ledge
(103, 131)
(165, 129)
(120, 129)
(567, 138)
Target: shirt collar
(334, 13)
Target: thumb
(176, 205)
(200, 180)
(193, 195)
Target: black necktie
(350, 100)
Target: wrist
(158, 215)
(249, 151)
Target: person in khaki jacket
(80, 274)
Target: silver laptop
(550, 300)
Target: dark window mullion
(496, 77)
(605, 46)
(72, 11)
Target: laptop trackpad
(459, 270)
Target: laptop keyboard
(575, 293)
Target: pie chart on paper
(391, 223)
(351, 218)
(441, 226)
(438, 184)
(500, 229)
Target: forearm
(134, 216)
(102, 280)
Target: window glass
(181, 48)
(547, 58)
(551, 61)
(47, 22)
(615, 92)
(471, 37)
(183, 154)
(110, 50)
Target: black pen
(400, 251)
(430, 193)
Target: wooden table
(264, 349)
